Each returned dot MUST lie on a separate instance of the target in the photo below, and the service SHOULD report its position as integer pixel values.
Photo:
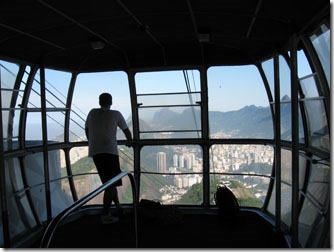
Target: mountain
(250, 121)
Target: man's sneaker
(109, 219)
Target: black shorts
(107, 166)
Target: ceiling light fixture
(97, 44)
(204, 37)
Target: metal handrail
(50, 229)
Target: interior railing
(52, 226)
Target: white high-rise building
(175, 160)
(161, 162)
(181, 161)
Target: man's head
(105, 99)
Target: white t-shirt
(102, 128)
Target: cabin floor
(190, 230)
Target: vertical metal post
(67, 136)
(4, 207)
(135, 130)
(295, 144)
(278, 194)
(205, 135)
(45, 144)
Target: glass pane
(8, 75)
(65, 186)
(33, 129)
(321, 40)
(85, 184)
(125, 158)
(172, 189)
(34, 171)
(285, 203)
(286, 122)
(255, 162)
(56, 87)
(308, 216)
(172, 174)
(285, 79)
(35, 94)
(20, 217)
(55, 126)
(6, 97)
(125, 191)
(286, 189)
(318, 125)
(250, 190)
(11, 97)
(82, 164)
(55, 164)
(170, 119)
(39, 201)
(319, 185)
(177, 159)
(303, 68)
(169, 102)
(268, 68)
(168, 82)
(87, 89)
(309, 87)
(233, 112)
(60, 199)
(56, 84)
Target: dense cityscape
(226, 159)
(182, 166)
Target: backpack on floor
(226, 201)
(153, 210)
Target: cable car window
(172, 174)
(268, 68)
(238, 103)
(169, 104)
(321, 41)
(11, 98)
(86, 93)
(17, 198)
(245, 169)
(318, 125)
(86, 178)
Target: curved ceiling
(121, 34)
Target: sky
(229, 88)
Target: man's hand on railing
(128, 143)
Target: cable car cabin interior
(233, 93)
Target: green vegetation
(83, 165)
(151, 184)
(195, 194)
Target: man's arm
(128, 136)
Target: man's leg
(119, 209)
(114, 196)
(107, 200)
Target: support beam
(295, 144)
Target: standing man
(101, 128)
